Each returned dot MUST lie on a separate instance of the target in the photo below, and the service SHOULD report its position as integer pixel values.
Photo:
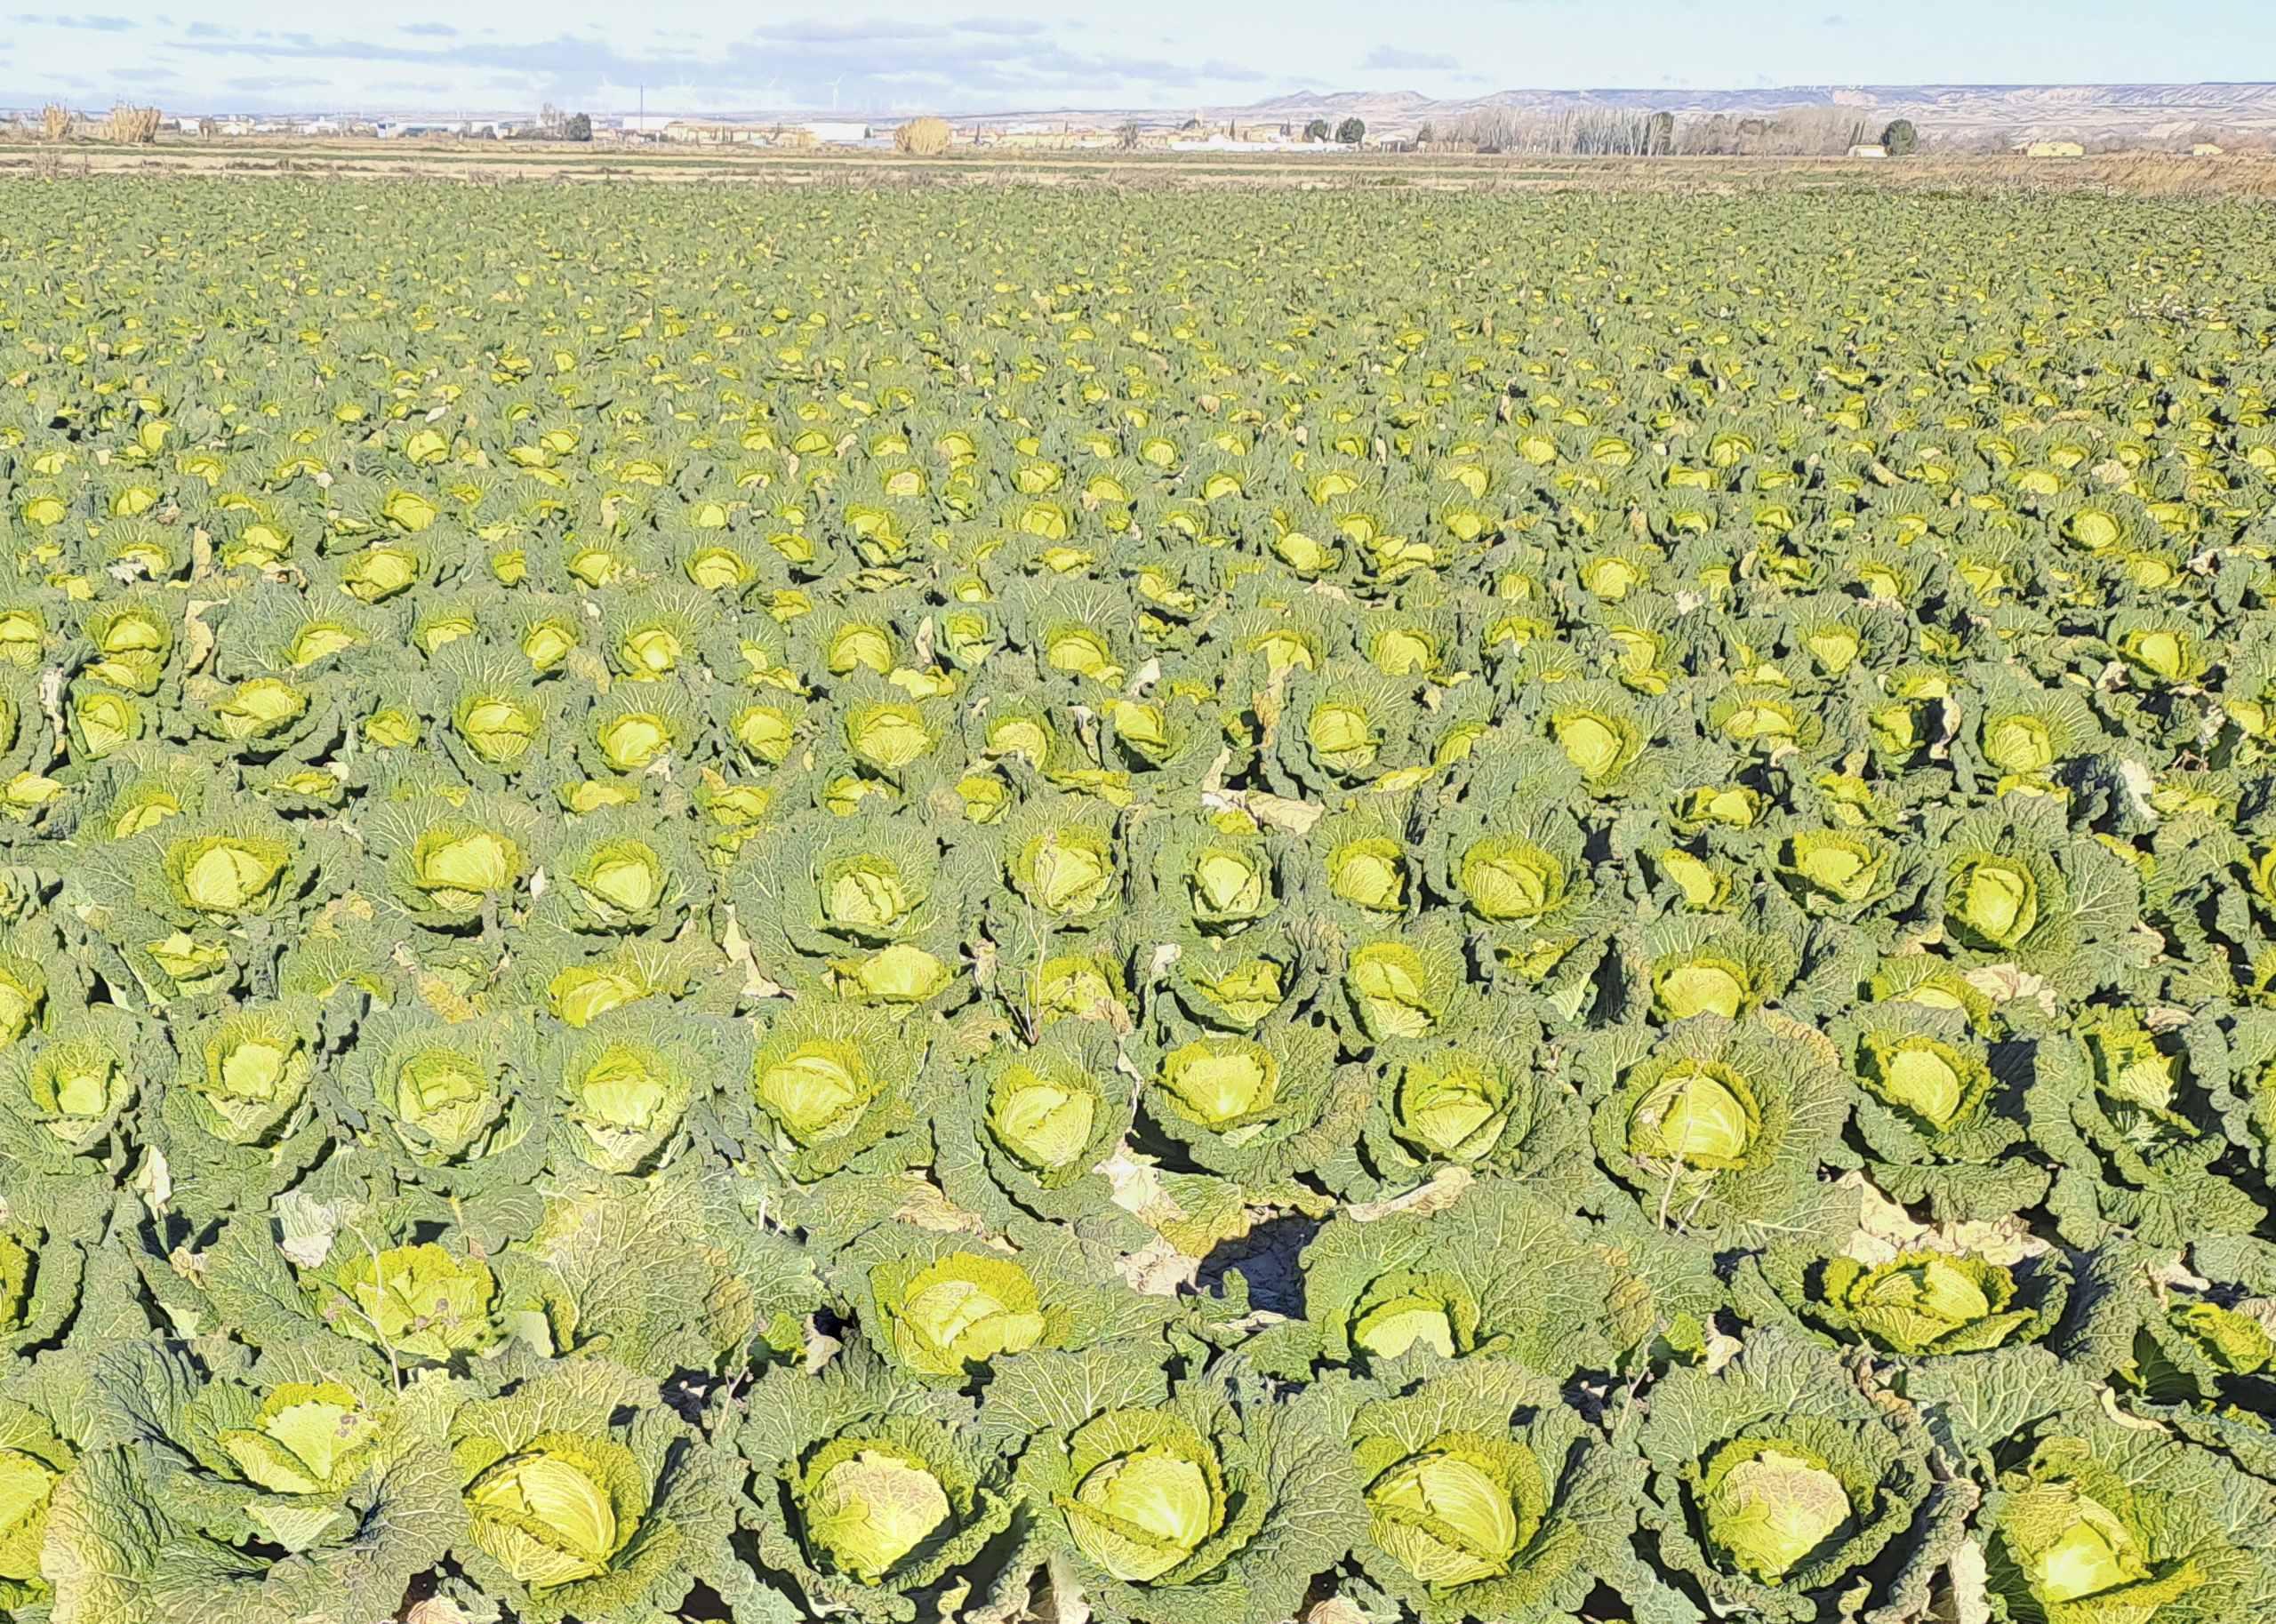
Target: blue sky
(890, 55)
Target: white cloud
(1390, 59)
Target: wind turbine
(834, 84)
(767, 91)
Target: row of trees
(1612, 132)
(553, 124)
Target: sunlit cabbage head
(1611, 576)
(1345, 736)
(457, 864)
(1834, 647)
(596, 565)
(439, 628)
(766, 730)
(2130, 1067)
(719, 569)
(2073, 1535)
(1228, 882)
(191, 962)
(1151, 1503)
(77, 1090)
(255, 1071)
(1837, 868)
(143, 806)
(560, 1510)
(23, 635)
(858, 647)
(1085, 653)
(1599, 744)
(903, 974)
(106, 721)
(260, 708)
(1144, 731)
(1025, 737)
(623, 1097)
(499, 729)
(1924, 1302)
(1992, 901)
(888, 735)
(1767, 1505)
(26, 1482)
(1930, 1080)
(634, 740)
(2020, 743)
(1045, 1121)
(546, 643)
(817, 1090)
(963, 1310)
(1404, 1311)
(1245, 992)
(620, 879)
(1700, 1113)
(1286, 648)
(23, 997)
(1503, 879)
(379, 573)
(19, 1267)
(2164, 653)
(1450, 1107)
(1761, 719)
(391, 728)
(1898, 729)
(582, 994)
(646, 653)
(1395, 989)
(1369, 874)
(1705, 983)
(26, 793)
(867, 1503)
(310, 1438)
(1220, 1082)
(1705, 888)
(1732, 804)
(967, 638)
(1085, 989)
(592, 795)
(227, 874)
(2232, 1341)
(414, 1301)
(1068, 871)
(443, 1095)
(1459, 1509)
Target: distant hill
(1954, 112)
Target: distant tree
(1902, 140)
(580, 127)
(1425, 135)
(1659, 135)
(1351, 132)
(1316, 131)
(1126, 136)
(1189, 125)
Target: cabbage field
(1004, 905)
